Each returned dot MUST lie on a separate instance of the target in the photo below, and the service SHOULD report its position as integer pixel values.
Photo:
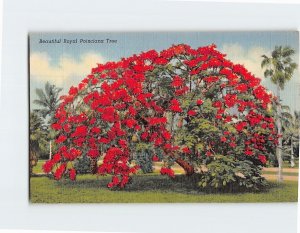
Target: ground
(154, 188)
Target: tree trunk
(50, 150)
(94, 165)
(292, 155)
(279, 131)
(188, 168)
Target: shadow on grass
(157, 183)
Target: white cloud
(65, 69)
(250, 58)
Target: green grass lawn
(38, 168)
(147, 189)
(288, 165)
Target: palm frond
(286, 108)
(41, 95)
(48, 99)
(268, 73)
(287, 51)
(266, 61)
(40, 103)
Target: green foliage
(290, 125)
(249, 175)
(203, 126)
(37, 136)
(279, 67)
(48, 100)
(225, 172)
(143, 157)
(144, 160)
(83, 165)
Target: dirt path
(179, 170)
(274, 177)
(287, 170)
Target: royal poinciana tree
(187, 106)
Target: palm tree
(37, 139)
(279, 68)
(290, 124)
(48, 101)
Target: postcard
(164, 117)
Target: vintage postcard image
(143, 117)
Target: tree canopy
(187, 106)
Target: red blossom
(217, 104)
(230, 100)
(72, 174)
(61, 139)
(240, 126)
(248, 152)
(122, 143)
(56, 126)
(93, 153)
(211, 79)
(177, 82)
(232, 144)
(157, 120)
(192, 113)
(208, 153)
(223, 139)
(175, 106)
(262, 159)
(80, 131)
(48, 165)
(108, 114)
(73, 91)
(166, 135)
(167, 171)
(199, 102)
(155, 158)
(56, 158)
(242, 87)
(186, 150)
(95, 130)
(60, 171)
(67, 128)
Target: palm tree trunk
(292, 155)
(50, 151)
(279, 129)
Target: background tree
(48, 100)
(290, 123)
(37, 139)
(279, 67)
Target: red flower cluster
(72, 174)
(167, 171)
(60, 171)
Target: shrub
(227, 173)
(144, 160)
(83, 165)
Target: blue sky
(66, 64)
